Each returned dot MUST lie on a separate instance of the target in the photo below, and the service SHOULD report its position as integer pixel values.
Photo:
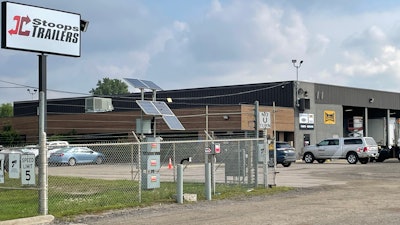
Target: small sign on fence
(28, 170)
(13, 165)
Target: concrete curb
(29, 220)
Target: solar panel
(135, 83)
(172, 122)
(142, 84)
(148, 107)
(156, 108)
(163, 108)
(152, 85)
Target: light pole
(297, 66)
(32, 92)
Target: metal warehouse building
(305, 112)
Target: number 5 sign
(28, 170)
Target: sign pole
(256, 148)
(43, 85)
(43, 183)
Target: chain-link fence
(104, 176)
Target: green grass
(69, 196)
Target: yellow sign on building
(329, 117)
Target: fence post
(174, 161)
(179, 184)
(208, 181)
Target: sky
(181, 44)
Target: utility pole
(297, 66)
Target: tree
(9, 136)
(110, 87)
(6, 110)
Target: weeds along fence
(130, 174)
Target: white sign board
(265, 120)
(13, 165)
(32, 28)
(28, 170)
(306, 118)
(1, 168)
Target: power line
(234, 94)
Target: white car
(353, 149)
(34, 149)
(53, 146)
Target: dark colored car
(387, 153)
(285, 153)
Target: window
(334, 142)
(356, 141)
(324, 143)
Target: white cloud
(220, 42)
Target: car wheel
(308, 157)
(352, 158)
(72, 162)
(364, 160)
(99, 160)
(321, 160)
(287, 164)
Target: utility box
(143, 126)
(150, 180)
(153, 145)
(151, 162)
(96, 104)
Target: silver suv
(353, 149)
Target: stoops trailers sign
(36, 29)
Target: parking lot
(297, 175)
(331, 193)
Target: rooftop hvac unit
(96, 104)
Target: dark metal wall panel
(328, 94)
(266, 93)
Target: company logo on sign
(44, 29)
(37, 29)
(20, 22)
(329, 117)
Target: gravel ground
(346, 194)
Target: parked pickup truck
(353, 149)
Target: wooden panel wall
(220, 118)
